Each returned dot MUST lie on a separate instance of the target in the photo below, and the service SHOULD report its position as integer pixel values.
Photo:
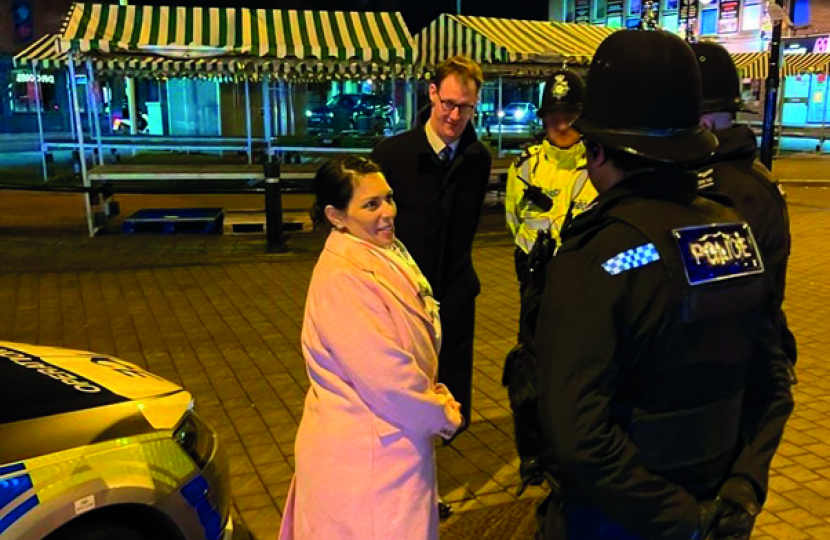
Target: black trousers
(455, 362)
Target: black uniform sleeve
(768, 403)
(586, 316)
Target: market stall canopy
(46, 54)
(751, 65)
(244, 34)
(43, 53)
(756, 65)
(796, 64)
(489, 40)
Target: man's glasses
(449, 106)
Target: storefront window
(796, 99)
(709, 22)
(599, 11)
(671, 22)
(23, 95)
(751, 19)
(570, 10)
(194, 107)
(635, 7)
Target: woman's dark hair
(334, 183)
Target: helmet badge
(560, 87)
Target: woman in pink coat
(365, 458)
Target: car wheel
(104, 530)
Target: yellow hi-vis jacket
(562, 176)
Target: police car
(93, 448)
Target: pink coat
(365, 457)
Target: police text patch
(718, 252)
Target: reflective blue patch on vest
(717, 252)
(632, 258)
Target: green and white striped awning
(587, 37)
(43, 53)
(200, 32)
(751, 65)
(490, 40)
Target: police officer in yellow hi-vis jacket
(547, 178)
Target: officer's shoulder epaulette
(526, 154)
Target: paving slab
(222, 317)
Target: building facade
(740, 25)
(22, 22)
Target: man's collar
(436, 142)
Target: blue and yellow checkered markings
(631, 259)
(13, 488)
(197, 494)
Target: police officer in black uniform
(654, 382)
(735, 171)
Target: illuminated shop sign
(688, 13)
(30, 78)
(804, 45)
(728, 21)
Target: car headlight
(519, 114)
(195, 438)
(308, 114)
(500, 114)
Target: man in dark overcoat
(439, 172)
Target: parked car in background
(94, 448)
(361, 113)
(518, 113)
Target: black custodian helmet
(643, 97)
(564, 92)
(719, 78)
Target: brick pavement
(222, 318)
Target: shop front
(805, 89)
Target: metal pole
(500, 111)
(820, 146)
(81, 149)
(109, 107)
(266, 109)
(90, 80)
(290, 111)
(71, 108)
(408, 100)
(89, 119)
(282, 101)
(778, 129)
(392, 81)
(458, 7)
(771, 94)
(273, 208)
(248, 119)
(40, 123)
